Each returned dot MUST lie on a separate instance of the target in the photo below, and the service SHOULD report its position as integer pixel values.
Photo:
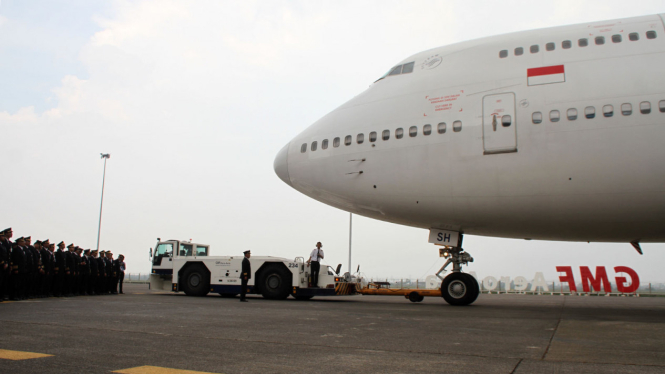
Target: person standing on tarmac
(245, 275)
(121, 274)
(315, 260)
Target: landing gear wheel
(459, 289)
(303, 297)
(275, 282)
(196, 281)
(415, 297)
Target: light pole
(99, 229)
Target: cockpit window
(408, 68)
(401, 69)
(396, 70)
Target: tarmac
(158, 332)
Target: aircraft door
(499, 125)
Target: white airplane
(551, 134)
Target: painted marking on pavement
(158, 370)
(18, 355)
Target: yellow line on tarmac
(17, 355)
(157, 370)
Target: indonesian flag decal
(545, 75)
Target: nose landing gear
(458, 288)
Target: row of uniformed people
(40, 270)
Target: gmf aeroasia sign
(626, 280)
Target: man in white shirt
(314, 259)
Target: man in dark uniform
(39, 277)
(28, 270)
(46, 269)
(101, 265)
(33, 280)
(115, 275)
(84, 271)
(108, 266)
(73, 269)
(51, 271)
(121, 268)
(5, 264)
(245, 275)
(18, 269)
(94, 272)
(61, 270)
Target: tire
(301, 297)
(459, 289)
(275, 282)
(415, 297)
(228, 295)
(196, 281)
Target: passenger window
(324, 144)
(408, 68)
(555, 116)
(645, 107)
(457, 126)
(201, 251)
(427, 129)
(590, 112)
(600, 40)
(506, 120)
(347, 140)
(503, 54)
(550, 46)
(536, 118)
(572, 114)
(651, 34)
(303, 148)
(399, 133)
(314, 144)
(385, 135)
(626, 109)
(616, 38)
(336, 142)
(413, 131)
(360, 138)
(396, 70)
(519, 51)
(566, 44)
(661, 106)
(372, 136)
(441, 128)
(633, 36)
(534, 48)
(583, 42)
(608, 110)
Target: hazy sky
(193, 100)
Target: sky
(193, 100)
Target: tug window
(537, 118)
(608, 110)
(645, 107)
(633, 36)
(427, 129)
(600, 40)
(314, 144)
(503, 54)
(590, 112)
(519, 51)
(626, 109)
(336, 142)
(372, 136)
(583, 42)
(324, 144)
(651, 34)
(457, 126)
(413, 131)
(441, 128)
(408, 68)
(661, 106)
(572, 114)
(385, 135)
(347, 140)
(360, 138)
(555, 116)
(616, 38)
(550, 46)
(566, 44)
(303, 148)
(534, 48)
(399, 133)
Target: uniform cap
(102, 251)
(86, 251)
(246, 252)
(9, 229)
(63, 243)
(20, 239)
(27, 238)
(71, 245)
(38, 242)
(45, 241)
(95, 251)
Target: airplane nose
(282, 164)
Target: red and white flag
(545, 75)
